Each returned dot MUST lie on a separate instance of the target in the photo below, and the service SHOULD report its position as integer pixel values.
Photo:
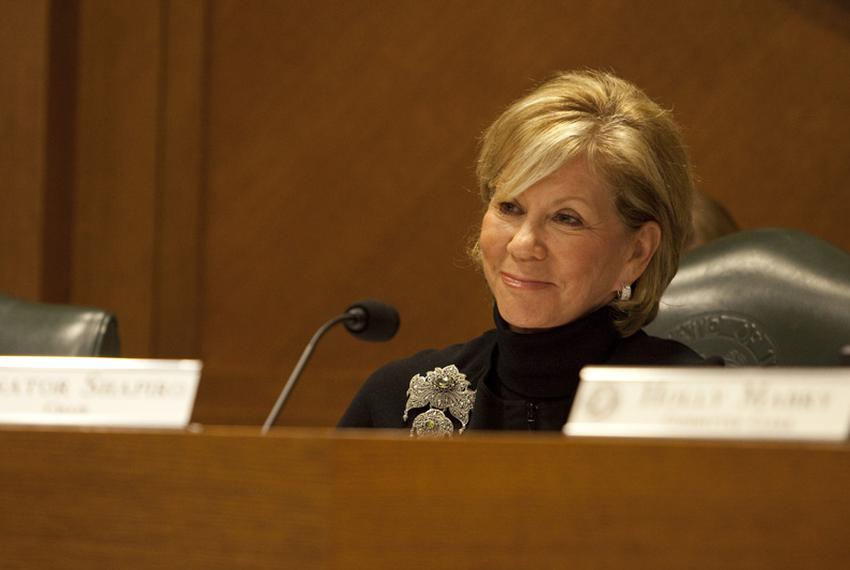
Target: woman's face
(559, 250)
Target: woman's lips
(518, 282)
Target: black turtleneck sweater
(522, 381)
(534, 376)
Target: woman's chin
(530, 323)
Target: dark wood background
(225, 175)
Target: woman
(588, 190)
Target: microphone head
(372, 320)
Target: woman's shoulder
(641, 348)
(380, 401)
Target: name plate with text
(741, 403)
(86, 391)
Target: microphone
(367, 320)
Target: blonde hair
(629, 142)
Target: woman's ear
(644, 243)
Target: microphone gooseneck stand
(368, 319)
(296, 372)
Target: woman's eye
(508, 208)
(568, 219)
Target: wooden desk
(229, 498)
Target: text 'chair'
(44, 329)
(761, 297)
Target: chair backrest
(761, 297)
(28, 328)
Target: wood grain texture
(313, 498)
(162, 501)
(178, 232)
(116, 164)
(548, 503)
(23, 119)
(60, 156)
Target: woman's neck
(545, 364)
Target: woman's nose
(527, 242)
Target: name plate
(84, 391)
(741, 403)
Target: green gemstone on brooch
(432, 423)
(444, 383)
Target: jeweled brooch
(442, 389)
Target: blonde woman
(587, 189)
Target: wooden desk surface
(229, 498)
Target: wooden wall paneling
(324, 188)
(23, 118)
(341, 145)
(179, 232)
(61, 85)
(116, 158)
(766, 125)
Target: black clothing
(522, 381)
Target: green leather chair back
(761, 297)
(28, 328)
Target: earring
(625, 293)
